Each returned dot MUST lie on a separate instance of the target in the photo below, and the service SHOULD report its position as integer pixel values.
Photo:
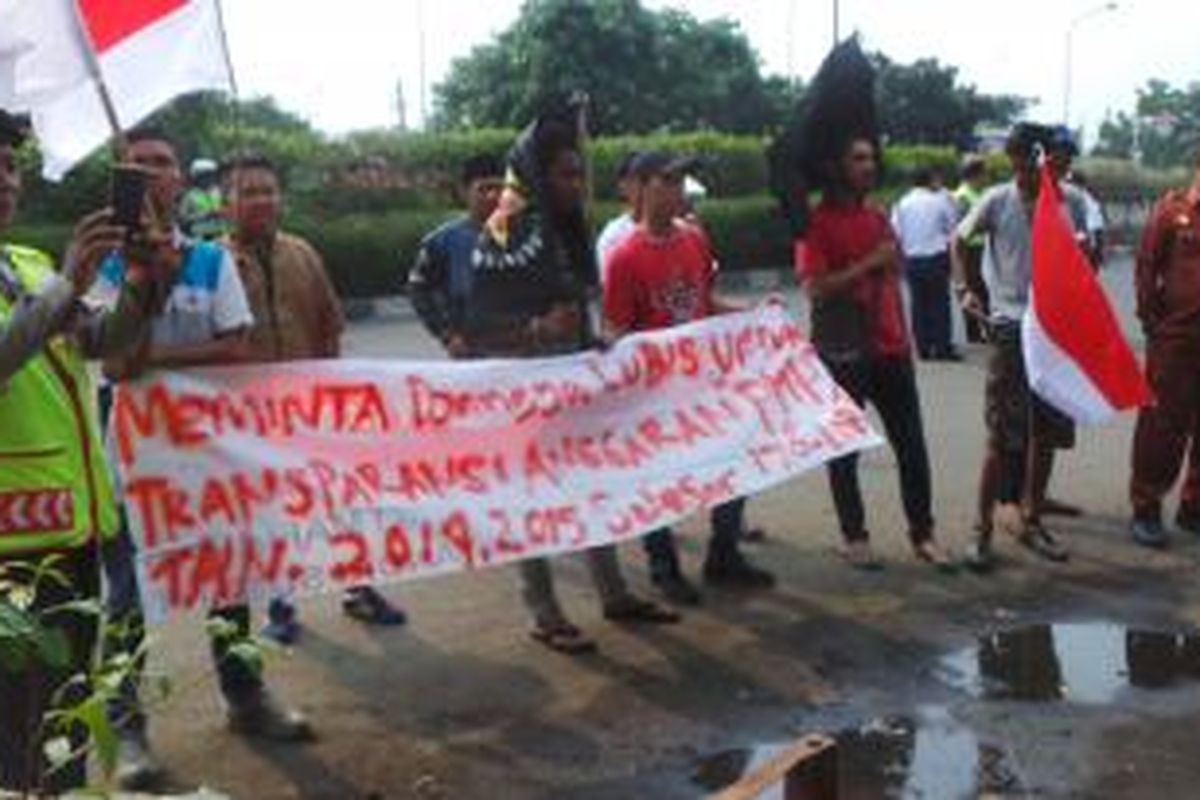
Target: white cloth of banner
(247, 482)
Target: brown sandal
(563, 638)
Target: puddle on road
(1091, 664)
(929, 756)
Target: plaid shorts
(1012, 411)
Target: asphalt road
(461, 704)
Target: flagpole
(84, 40)
(233, 85)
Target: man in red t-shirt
(850, 264)
(662, 275)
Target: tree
(1164, 130)
(643, 71)
(924, 103)
(1116, 137)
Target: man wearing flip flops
(1023, 430)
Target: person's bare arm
(829, 282)
(974, 224)
(228, 348)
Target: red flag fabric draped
(1076, 354)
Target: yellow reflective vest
(55, 490)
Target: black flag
(839, 105)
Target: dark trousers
(1189, 495)
(1160, 442)
(726, 520)
(976, 328)
(929, 285)
(890, 385)
(28, 693)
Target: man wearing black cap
(662, 275)
(1023, 430)
(56, 497)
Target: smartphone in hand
(128, 197)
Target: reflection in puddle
(1087, 663)
(931, 756)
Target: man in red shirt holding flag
(1168, 303)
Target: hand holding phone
(128, 196)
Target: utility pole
(422, 95)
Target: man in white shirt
(618, 228)
(925, 219)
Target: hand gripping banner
(247, 482)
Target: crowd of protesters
(519, 275)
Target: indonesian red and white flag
(1076, 354)
(147, 52)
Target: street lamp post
(837, 22)
(1070, 46)
(423, 88)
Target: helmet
(202, 167)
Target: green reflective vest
(55, 490)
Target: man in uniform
(55, 494)
(1168, 305)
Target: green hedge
(735, 166)
(369, 255)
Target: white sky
(338, 63)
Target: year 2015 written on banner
(246, 482)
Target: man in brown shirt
(1168, 304)
(296, 317)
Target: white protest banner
(245, 482)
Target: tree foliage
(643, 71)
(1163, 132)
(925, 103)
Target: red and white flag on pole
(145, 51)
(1076, 354)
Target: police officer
(55, 493)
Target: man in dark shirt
(1168, 304)
(532, 271)
(440, 279)
(851, 266)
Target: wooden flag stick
(90, 58)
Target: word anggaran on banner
(245, 482)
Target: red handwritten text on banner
(243, 482)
